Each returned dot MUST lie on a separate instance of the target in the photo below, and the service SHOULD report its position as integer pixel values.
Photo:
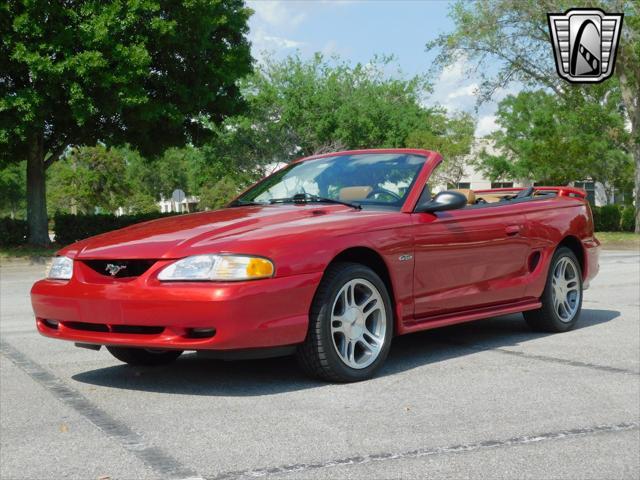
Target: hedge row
(12, 231)
(614, 218)
(71, 228)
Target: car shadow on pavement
(431, 346)
(193, 375)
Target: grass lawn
(619, 240)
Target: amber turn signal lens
(259, 268)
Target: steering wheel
(379, 190)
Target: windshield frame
(430, 160)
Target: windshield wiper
(307, 197)
(243, 203)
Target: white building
(187, 205)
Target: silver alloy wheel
(566, 289)
(358, 323)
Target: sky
(356, 30)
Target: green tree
(12, 190)
(91, 179)
(139, 202)
(507, 41)
(301, 107)
(88, 179)
(555, 140)
(159, 177)
(218, 194)
(147, 72)
(452, 137)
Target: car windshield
(369, 180)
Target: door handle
(512, 230)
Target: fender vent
(534, 260)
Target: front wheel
(350, 325)
(144, 356)
(562, 297)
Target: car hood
(170, 237)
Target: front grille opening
(200, 332)
(50, 324)
(89, 327)
(120, 268)
(137, 329)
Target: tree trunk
(36, 192)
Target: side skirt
(468, 316)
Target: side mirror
(443, 201)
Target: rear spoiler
(561, 191)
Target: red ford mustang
(328, 258)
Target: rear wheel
(350, 325)
(562, 297)
(144, 356)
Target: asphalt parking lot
(483, 400)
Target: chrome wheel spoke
(565, 289)
(369, 305)
(572, 286)
(350, 294)
(358, 323)
(372, 342)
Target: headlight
(61, 268)
(218, 268)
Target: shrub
(607, 218)
(628, 219)
(219, 195)
(12, 231)
(71, 228)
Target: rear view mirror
(443, 201)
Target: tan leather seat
(470, 194)
(350, 194)
(490, 198)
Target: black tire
(144, 357)
(317, 355)
(547, 318)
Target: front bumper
(143, 312)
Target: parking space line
(564, 361)
(544, 358)
(162, 463)
(426, 452)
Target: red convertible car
(328, 258)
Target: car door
(468, 258)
